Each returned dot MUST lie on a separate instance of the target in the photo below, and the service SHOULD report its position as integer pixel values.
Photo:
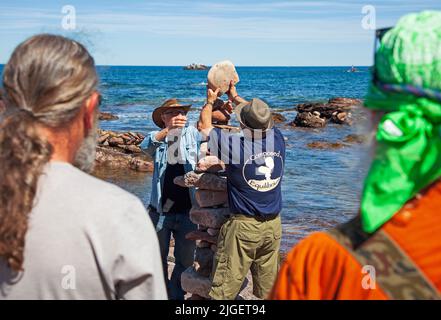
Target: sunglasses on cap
(398, 88)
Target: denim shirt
(188, 151)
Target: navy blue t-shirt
(254, 169)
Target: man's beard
(85, 156)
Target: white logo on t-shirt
(262, 180)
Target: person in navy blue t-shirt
(254, 159)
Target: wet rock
(200, 235)
(113, 158)
(355, 138)
(142, 165)
(131, 148)
(115, 141)
(210, 217)
(349, 102)
(194, 283)
(341, 117)
(335, 110)
(325, 145)
(309, 120)
(121, 150)
(208, 198)
(278, 118)
(107, 116)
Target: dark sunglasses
(398, 88)
(176, 112)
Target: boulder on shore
(113, 158)
(121, 150)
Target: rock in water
(221, 74)
(356, 138)
(325, 145)
(307, 119)
(340, 101)
(107, 116)
(278, 118)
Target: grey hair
(46, 82)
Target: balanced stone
(194, 283)
(204, 258)
(210, 217)
(200, 235)
(213, 232)
(210, 164)
(221, 74)
(202, 244)
(208, 198)
(207, 181)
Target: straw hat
(168, 104)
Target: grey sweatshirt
(87, 239)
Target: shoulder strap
(398, 276)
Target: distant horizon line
(238, 66)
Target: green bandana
(408, 154)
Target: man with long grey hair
(63, 233)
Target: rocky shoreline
(121, 150)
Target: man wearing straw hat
(174, 149)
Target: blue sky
(179, 32)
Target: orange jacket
(320, 268)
